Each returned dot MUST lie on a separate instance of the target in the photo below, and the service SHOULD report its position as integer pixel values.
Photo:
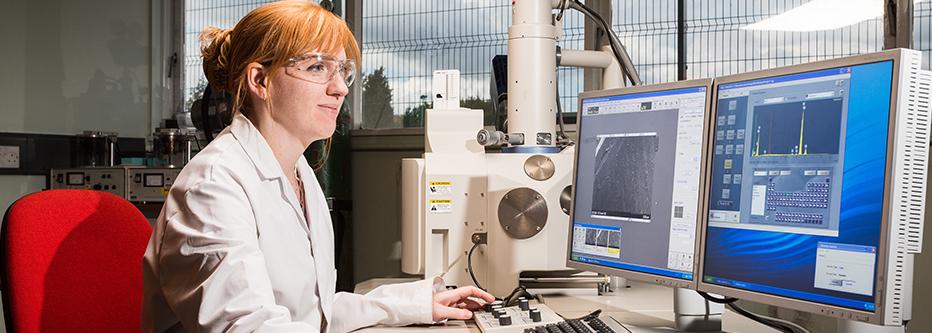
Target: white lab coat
(233, 252)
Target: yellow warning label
(165, 191)
(440, 187)
(440, 206)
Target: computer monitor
(816, 186)
(637, 181)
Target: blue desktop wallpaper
(784, 263)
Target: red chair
(71, 261)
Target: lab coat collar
(256, 147)
(260, 153)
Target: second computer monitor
(817, 186)
(637, 181)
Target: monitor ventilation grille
(916, 122)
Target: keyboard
(538, 318)
(599, 324)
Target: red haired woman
(244, 241)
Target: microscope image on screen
(624, 164)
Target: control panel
(497, 318)
(149, 184)
(111, 180)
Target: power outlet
(9, 157)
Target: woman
(244, 241)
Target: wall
(376, 194)
(71, 66)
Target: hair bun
(215, 46)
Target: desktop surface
(643, 308)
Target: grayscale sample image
(614, 240)
(590, 236)
(602, 240)
(624, 164)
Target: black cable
(730, 302)
(617, 48)
(469, 267)
(764, 321)
(710, 298)
(562, 134)
(562, 9)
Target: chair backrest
(71, 261)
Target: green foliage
(377, 109)
(414, 117)
(196, 93)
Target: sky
(412, 38)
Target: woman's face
(307, 104)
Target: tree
(477, 103)
(377, 108)
(414, 117)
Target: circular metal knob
(566, 199)
(522, 213)
(535, 315)
(539, 167)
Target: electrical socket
(9, 157)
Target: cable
(790, 326)
(617, 48)
(754, 317)
(779, 324)
(562, 133)
(469, 266)
(710, 298)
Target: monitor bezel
(875, 317)
(630, 274)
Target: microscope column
(532, 47)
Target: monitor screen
(637, 181)
(796, 184)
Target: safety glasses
(320, 68)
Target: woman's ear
(256, 80)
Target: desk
(643, 305)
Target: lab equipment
(817, 179)
(495, 318)
(504, 208)
(146, 184)
(172, 147)
(107, 179)
(97, 149)
(637, 181)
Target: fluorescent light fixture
(819, 15)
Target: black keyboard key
(553, 328)
(579, 326)
(600, 326)
(566, 327)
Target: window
(198, 14)
(405, 41)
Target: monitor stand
(851, 326)
(693, 313)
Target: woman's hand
(459, 303)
